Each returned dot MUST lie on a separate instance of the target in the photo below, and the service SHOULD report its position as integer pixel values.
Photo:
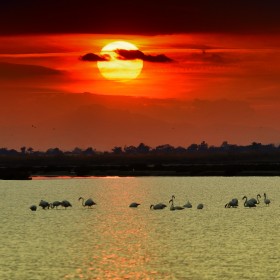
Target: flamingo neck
(83, 201)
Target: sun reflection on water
(113, 241)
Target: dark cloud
(136, 54)
(130, 17)
(94, 57)
(11, 71)
(213, 58)
(127, 55)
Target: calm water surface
(113, 241)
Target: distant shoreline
(156, 174)
(28, 175)
(26, 168)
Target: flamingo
(266, 200)
(233, 203)
(33, 207)
(66, 203)
(134, 205)
(55, 204)
(44, 204)
(188, 205)
(158, 206)
(89, 202)
(248, 203)
(172, 207)
(256, 201)
(200, 206)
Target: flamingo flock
(233, 203)
(64, 203)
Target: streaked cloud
(136, 54)
(11, 71)
(94, 57)
(127, 55)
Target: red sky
(222, 83)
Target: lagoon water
(113, 241)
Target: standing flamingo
(249, 203)
(55, 204)
(266, 200)
(89, 202)
(44, 204)
(66, 203)
(172, 207)
(256, 201)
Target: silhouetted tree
(192, 148)
(13, 152)
(166, 148)
(30, 150)
(117, 150)
(203, 146)
(23, 150)
(225, 145)
(269, 147)
(77, 151)
(54, 151)
(180, 150)
(143, 149)
(256, 146)
(130, 149)
(89, 151)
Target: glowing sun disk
(119, 69)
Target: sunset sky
(211, 72)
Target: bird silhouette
(55, 204)
(256, 201)
(158, 206)
(44, 204)
(266, 200)
(233, 203)
(248, 203)
(172, 207)
(89, 202)
(66, 204)
(33, 207)
(134, 205)
(188, 205)
(200, 206)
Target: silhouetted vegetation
(143, 160)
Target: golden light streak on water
(113, 241)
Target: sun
(117, 69)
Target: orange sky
(218, 87)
